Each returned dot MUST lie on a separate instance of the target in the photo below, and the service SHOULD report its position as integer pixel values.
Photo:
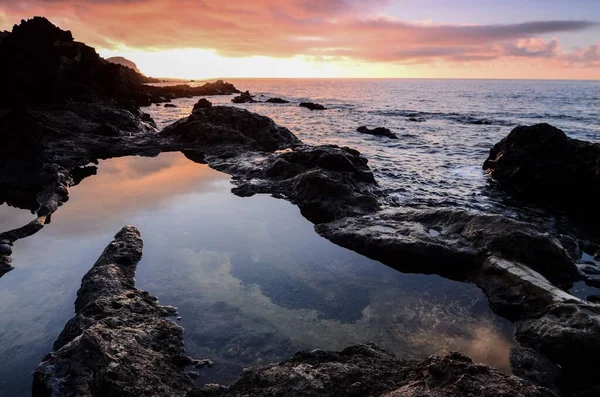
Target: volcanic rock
(118, 343)
(379, 131)
(366, 370)
(540, 163)
(312, 106)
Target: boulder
(202, 103)
(170, 105)
(379, 131)
(541, 164)
(312, 106)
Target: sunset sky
(545, 39)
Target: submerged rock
(118, 343)
(542, 164)
(170, 105)
(276, 100)
(312, 106)
(366, 370)
(244, 97)
(379, 131)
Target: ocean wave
(420, 116)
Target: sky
(198, 39)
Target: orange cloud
(344, 29)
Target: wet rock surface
(538, 369)
(569, 335)
(366, 370)
(379, 131)
(118, 343)
(312, 106)
(540, 163)
(450, 242)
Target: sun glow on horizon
(206, 64)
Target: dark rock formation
(202, 104)
(366, 370)
(536, 368)
(276, 100)
(416, 119)
(118, 343)
(40, 63)
(152, 94)
(170, 105)
(326, 182)
(244, 97)
(312, 106)
(379, 131)
(449, 242)
(227, 128)
(569, 335)
(540, 163)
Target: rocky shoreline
(54, 140)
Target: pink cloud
(283, 28)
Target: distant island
(124, 62)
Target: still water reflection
(253, 281)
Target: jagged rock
(244, 97)
(542, 164)
(276, 100)
(326, 182)
(569, 335)
(379, 131)
(312, 106)
(202, 104)
(118, 343)
(536, 368)
(366, 370)
(40, 63)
